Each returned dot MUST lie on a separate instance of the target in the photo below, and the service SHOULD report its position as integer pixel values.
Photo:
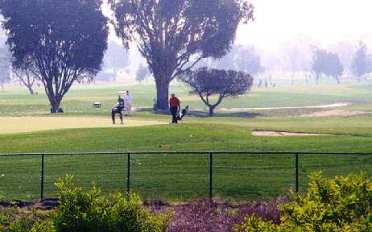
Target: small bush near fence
(81, 211)
(339, 204)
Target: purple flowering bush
(205, 216)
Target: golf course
(292, 119)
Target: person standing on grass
(174, 106)
(128, 102)
(118, 109)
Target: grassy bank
(175, 177)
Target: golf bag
(183, 113)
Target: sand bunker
(282, 133)
(334, 113)
(10, 125)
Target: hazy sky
(323, 21)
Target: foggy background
(283, 37)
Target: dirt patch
(334, 113)
(282, 133)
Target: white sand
(282, 133)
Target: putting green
(10, 125)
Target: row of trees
(362, 62)
(62, 42)
(329, 64)
(321, 63)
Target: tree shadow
(204, 114)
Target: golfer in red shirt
(174, 106)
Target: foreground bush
(339, 204)
(90, 211)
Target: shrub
(205, 216)
(17, 220)
(44, 226)
(339, 204)
(91, 211)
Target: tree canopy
(207, 83)
(173, 35)
(327, 63)
(361, 63)
(60, 42)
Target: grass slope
(175, 177)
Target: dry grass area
(10, 125)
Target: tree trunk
(317, 77)
(211, 111)
(337, 79)
(30, 90)
(162, 94)
(55, 103)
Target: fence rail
(257, 164)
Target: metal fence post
(296, 172)
(210, 176)
(42, 178)
(128, 173)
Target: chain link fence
(174, 176)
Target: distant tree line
(362, 62)
(326, 63)
(240, 58)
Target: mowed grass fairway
(26, 127)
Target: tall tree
(239, 58)
(4, 66)
(326, 63)
(207, 83)
(142, 73)
(361, 64)
(25, 78)
(60, 42)
(296, 59)
(115, 59)
(174, 35)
